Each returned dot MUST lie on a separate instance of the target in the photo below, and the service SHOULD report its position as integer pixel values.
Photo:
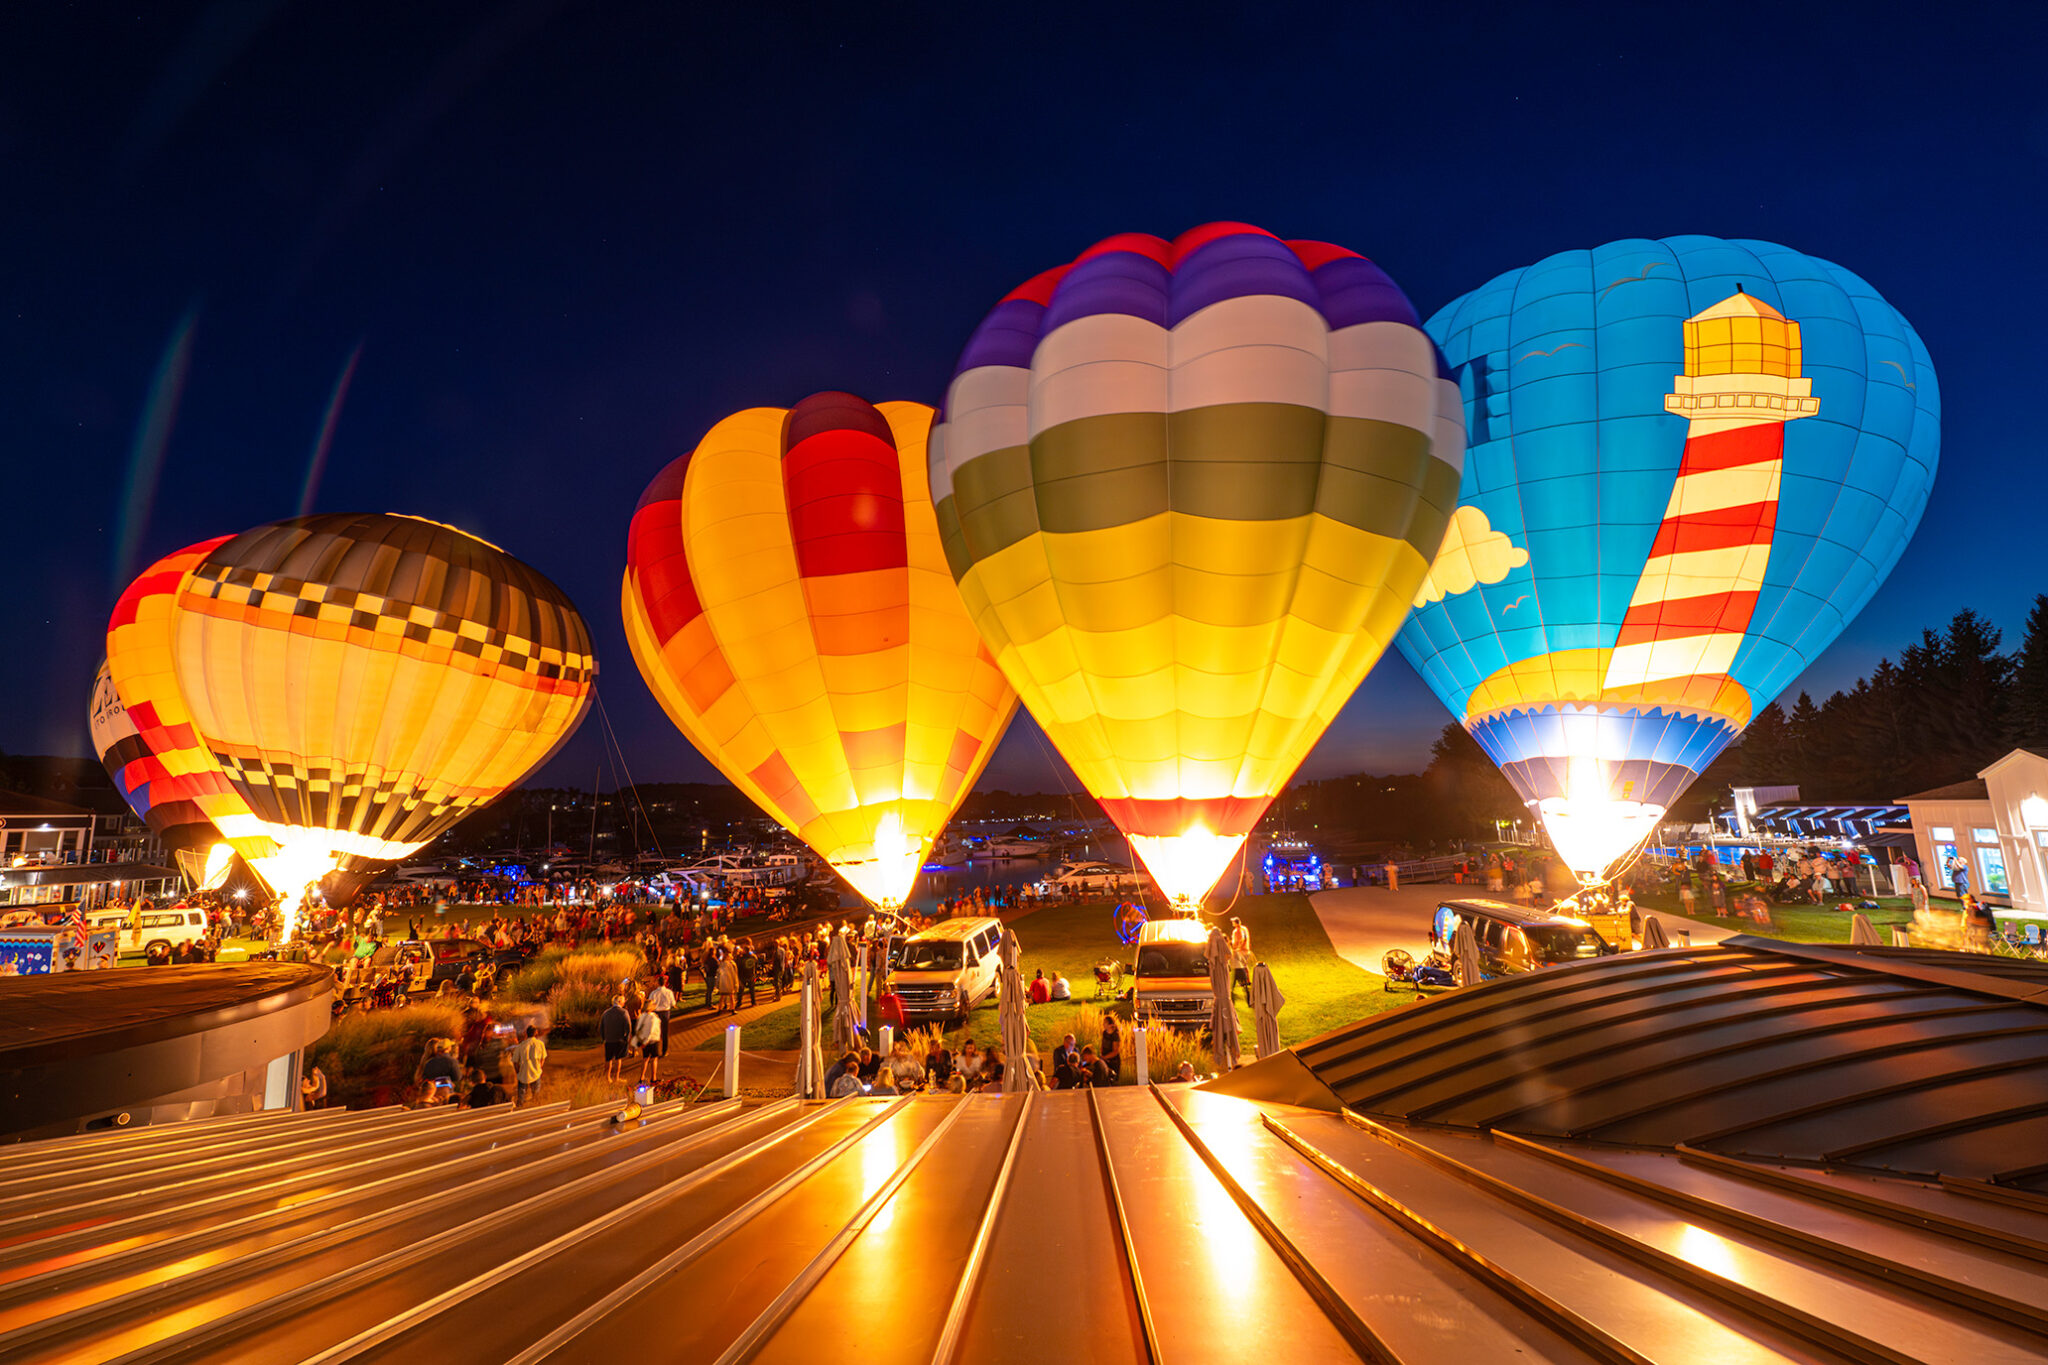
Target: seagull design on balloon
(1630, 279)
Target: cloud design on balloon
(1473, 553)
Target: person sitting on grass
(850, 1062)
(968, 1064)
(1185, 1072)
(1060, 989)
(848, 1082)
(1040, 990)
(1093, 1070)
(482, 1090)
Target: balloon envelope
(787, 601)
(360, 683)
(1691, 462)
(1188, 489)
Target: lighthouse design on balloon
(1699, 587)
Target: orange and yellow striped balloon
(788, 601)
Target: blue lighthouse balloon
(1689, 464)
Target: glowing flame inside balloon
(291, 872)
(218, 859)
(886, 877)
(1187, 865)
(1590, 828)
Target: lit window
(1943, 834)
(1984, 836)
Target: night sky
(540, 248)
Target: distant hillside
(76, 781)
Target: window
(1944, 834)
(1985, 836)
(1991, 861)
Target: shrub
(1167, 1048)
(369, 1056)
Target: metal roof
(1910, 1061)
(1162, 1225)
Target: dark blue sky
(568, 238)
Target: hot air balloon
(140, 723)
(1692, 461)
(139, 775)
(788, 603)
(1188, 489)
(359, 683)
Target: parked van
(946, 970)
(1170, 982)
(155, 932)
(1513, 938)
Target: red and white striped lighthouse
(1699, 587)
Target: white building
(1997, 824)
(2017, 789)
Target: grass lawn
(1323, 990)
(1798, 924)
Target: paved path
(692, 1029)
(1366, 922)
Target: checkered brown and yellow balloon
(358, 683)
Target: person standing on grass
(1240, 958)
(1112, 1053)
(527, 1060)
(615, 1028)
(728, 984)
(661, 1003)
(647, 1038)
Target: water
(935, 886)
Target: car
(443, 959)
(1512, 938)
(945, 971)
(1170, 979)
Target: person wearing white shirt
(1060, 989)
(661, 1003)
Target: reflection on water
(934, 886)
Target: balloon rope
(623, 765)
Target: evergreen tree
(2030, 681)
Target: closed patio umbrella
(1222, 1008)
(810, 1062)
(1465, 952)
(1653, 933)
(1861, 930)
(1266, 1004)
(1017, 1074)
(839, 960)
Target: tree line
(1949, 705)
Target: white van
(1171, 980)
(162, 929)
(946, 970)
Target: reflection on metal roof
(1118, 1226)
(1919, 1062)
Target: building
(2016, 787)
(35, 830)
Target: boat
(1093, 877)
(744, 869)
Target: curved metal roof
(1912, 1061)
